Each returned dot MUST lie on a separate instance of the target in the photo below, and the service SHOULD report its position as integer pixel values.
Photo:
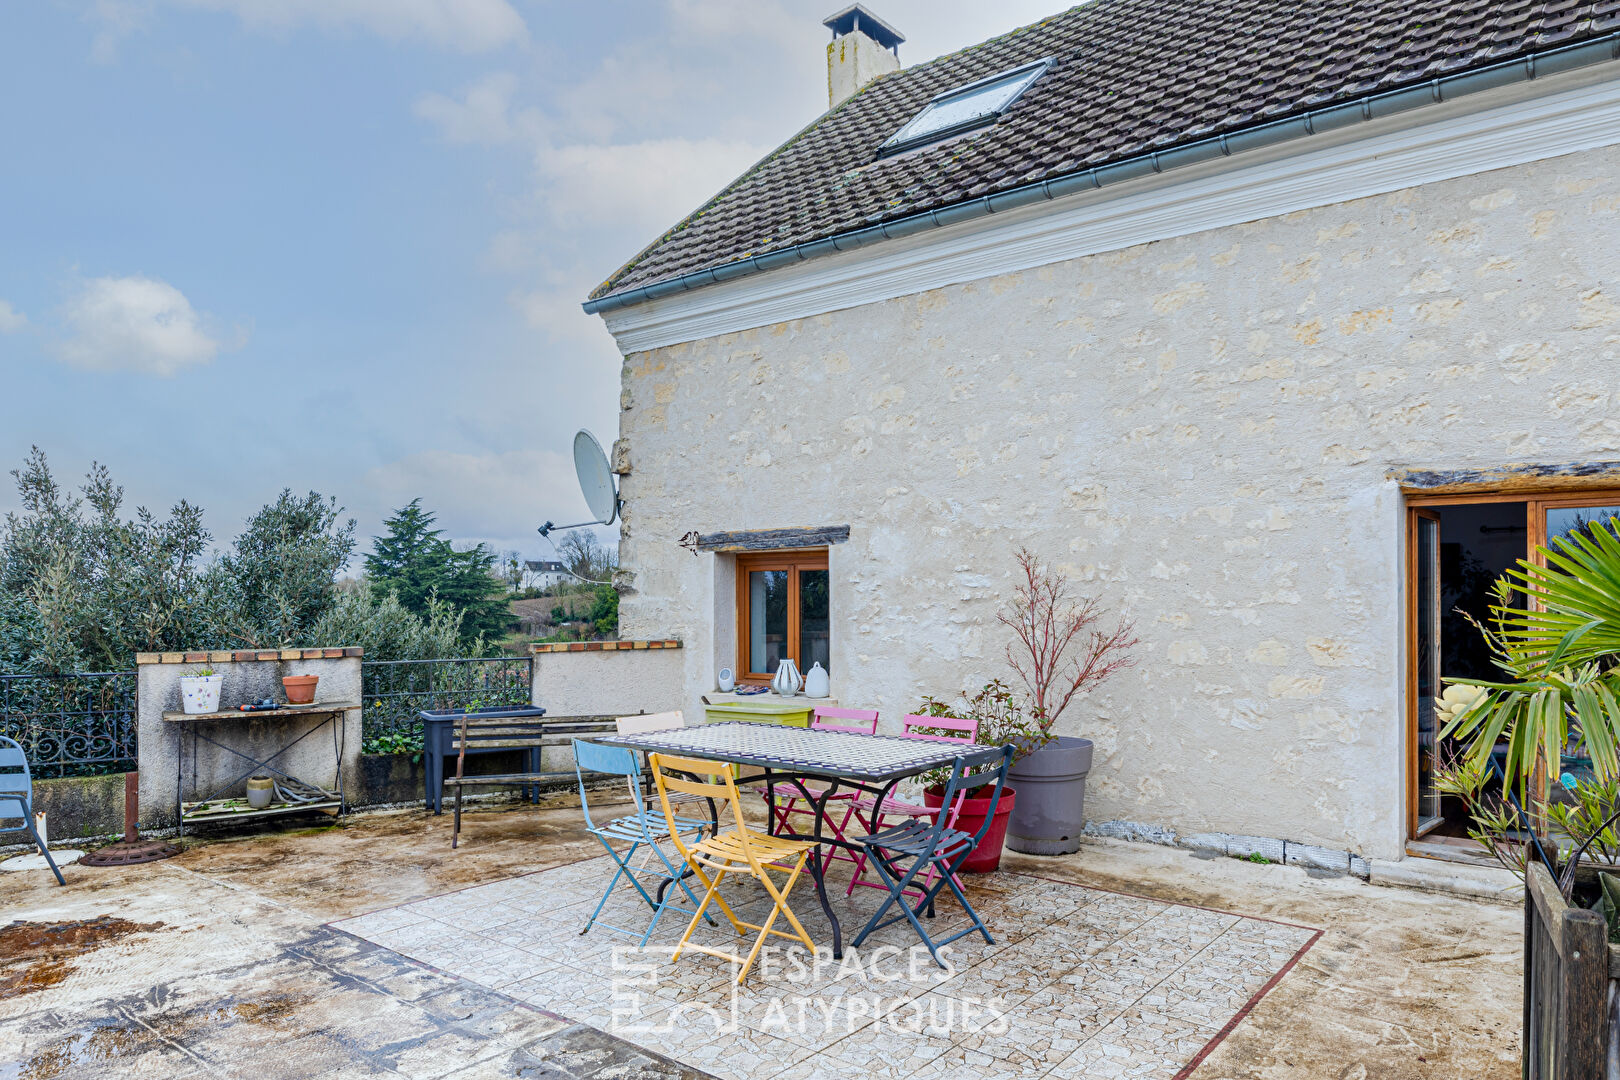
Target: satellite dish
(595, 481)
(595, 478)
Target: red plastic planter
(987, 856)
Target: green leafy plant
(200, 673)
(1003, 718)
(1607, 904)
(1559, 650)
(394, 742)
(1493, 821)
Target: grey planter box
(1050, 813)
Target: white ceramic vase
(816, 682)
(788, 681)
(200, 693)
(728, 682)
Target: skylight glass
(964, 108)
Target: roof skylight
(964, 108)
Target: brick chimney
(863, 47)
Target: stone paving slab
(192, 980)
(1079, 982)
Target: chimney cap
(859, 17)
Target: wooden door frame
(1415, 514)
(1536, 502)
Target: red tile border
(243, 656)
(540, 648)
(1237, 1018)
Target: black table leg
(818, 871)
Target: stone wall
(1200, 430)
(248, 675)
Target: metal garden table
(872, 764)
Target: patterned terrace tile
(1078, 982)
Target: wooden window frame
(793, 561)
(1537, 501)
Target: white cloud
(644, 187)
(469, 25)
(498, 497)
(11, 320)
(483, 113)
(134, 324)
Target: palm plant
(1560, 651)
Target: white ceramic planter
(788, 681)
(816, 682)
(200, 693)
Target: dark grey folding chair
(933, 844)
(17, 787)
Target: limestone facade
(1199, 430)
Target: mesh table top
(806, 750)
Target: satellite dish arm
(548, 528)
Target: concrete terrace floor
(220, 963)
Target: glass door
(1424, 552)
(1564, 517)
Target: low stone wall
(248, 675)
(608, 678)
(603, 679)
(390, 779)
(79, 807)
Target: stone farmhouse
(1281, 328)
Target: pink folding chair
(955, 730)
(856, 722)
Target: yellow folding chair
(737, 851)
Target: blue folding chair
(933, 844)
(641, 830)
(18, 787)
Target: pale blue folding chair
(17, 791)
(643, 832)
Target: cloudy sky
(340, 244)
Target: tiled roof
(1130, 76)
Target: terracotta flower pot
(987, 856)
(300, 688)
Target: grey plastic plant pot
(1050, 813)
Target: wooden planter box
(1570, 975)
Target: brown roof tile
(1129, 76)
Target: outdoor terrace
(369, 948)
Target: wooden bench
(492, 730)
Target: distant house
(1282, 327)
(543, 575)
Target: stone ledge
(242, 656)
(539, 648)
(1459, 879)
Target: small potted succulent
(199, 691)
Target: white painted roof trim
(1546, 118)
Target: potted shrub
(199, 691)
(1058, 651)
(1002, 719)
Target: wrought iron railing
(396, 691)
(79, 724)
